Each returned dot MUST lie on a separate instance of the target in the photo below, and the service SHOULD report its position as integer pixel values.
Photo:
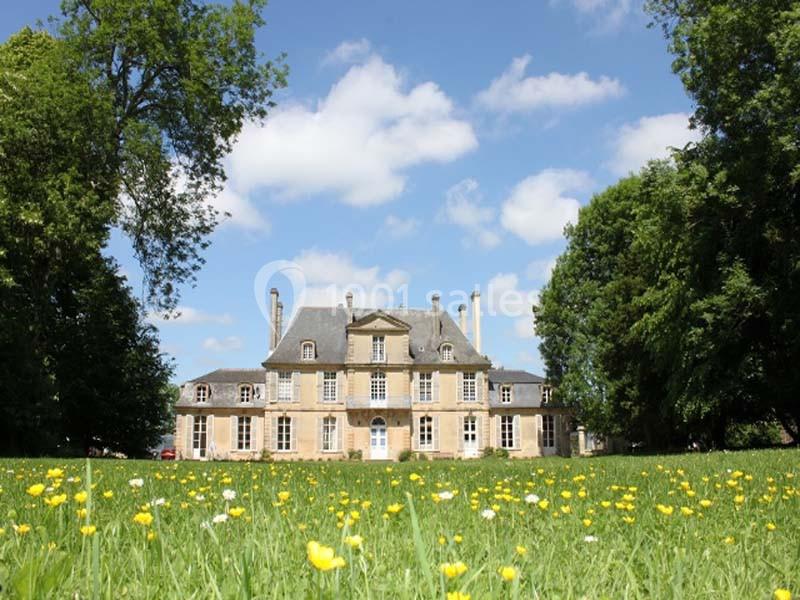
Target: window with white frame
(447, 352)
(548, 431)
(469, 387)
(244, 438)
(377, 386)
(378, 348)
(329, 434)
(426, 433)
(285, 386)
(507, 431)
(470, 432)
(245, 393)
(284, 434)
(547, 394)
(505, 394)
(329, 386)
(200, 434)
(201, 393)
(308, 351)
(426, 387)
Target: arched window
(308, 351)
(447, 352)
(245, 393)
(201, 392)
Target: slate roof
(326, 327)
(233, 376)
(513, 376)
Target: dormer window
(245, 393)
(447, 352)
(308, 351)
(505, 394)
(547, 394)
(201, 393)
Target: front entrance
(549, 441)
(470, 436)
(378, 441)
(199, 436)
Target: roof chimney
(476, 320)
(279, 325)
(349, 298)
(462, 318)
(435, 310)
(273, 318)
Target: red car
(168, 454)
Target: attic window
(201, 393)
(505, 394)
(447, 352)
(308, 351)
(245, 393)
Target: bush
(488, 452)
(266, 455)
(421, 456)
(501, 453)
(760, 434)
(354, 454)
(405, 456)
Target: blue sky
(424, 146)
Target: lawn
(721, 525)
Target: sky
(419, 147)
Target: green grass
(262, 554)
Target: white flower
(445, 495)
(199, 497)
(220, 518)
(159, 502)
(531, 498)
(488, 514)
(136, 483)
(590, 538)
(229, 495)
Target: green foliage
(405, 456)
(488, 452)
(500, 453)
(760, 434)
(354, 454)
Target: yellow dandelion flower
(88, 530)
(55, 473)
(236, 511)
(414, 477)
(143, 518)
(566, 494)
(354, 541)
(507, 573)
(56, 500)
(739, 499)
(80, 497)
(782, 594)
(705, 503)
(322, 557)
(771, 527)
(586, 522)
(729, 540)
(543, 504)
(108, 494)
(458, 538)
(451, 570)
(664, 510)
(22, 529)
(686, 511)
(461, 596)
(36, 489)
(521, 550)
(393, 509)
(283, 496)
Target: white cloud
(650, 138)
(609, 14)
(538, 208)
(513, 92)
(506, 298)
(357, 143)
(463, 207)
(186, 315)
(523, 327)
(349, 51)
(241, 212)
(228, 344)
(397, 227)
(330, 275)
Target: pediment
(379, 321)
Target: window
(507, 431)
(469, 388)
(447, 352)
(245, 393)
(505, 394)
(308, 350)
(201, 393)
(547, 394)
(329, 434)
(548, 431)
(470, 433)
(329, 386)
(285, 386)
(426, 433)
(377, 386)
(244, 437)
(199, 435)
(284, 442)
(426, 387)
(378, 348)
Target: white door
(470, 437)
(199, 436)
(378, 443)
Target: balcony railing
(390, 402)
